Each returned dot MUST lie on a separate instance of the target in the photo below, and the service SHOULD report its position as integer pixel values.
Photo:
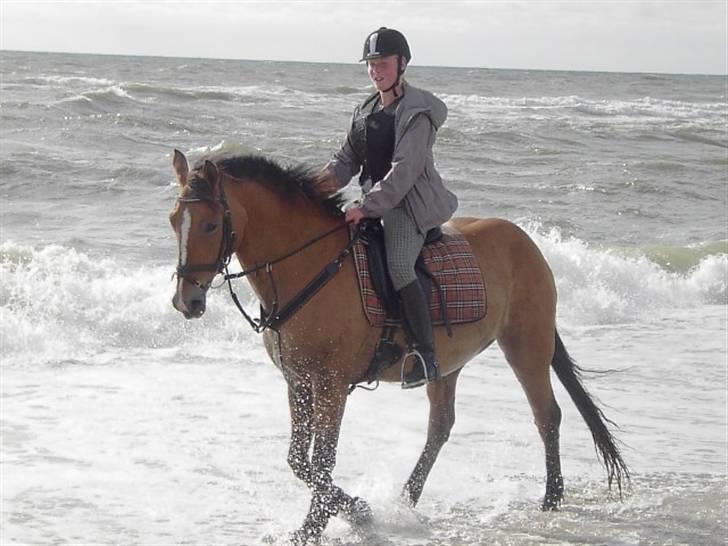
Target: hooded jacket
(413, 181)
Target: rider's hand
(354, 215)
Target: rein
(277, 315)
(293, 252)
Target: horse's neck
(276, 226)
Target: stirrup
(425, 376)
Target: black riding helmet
(384, 42)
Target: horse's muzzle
(196, 308)
(191, 308)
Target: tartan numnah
(453, 264)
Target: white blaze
(184, 237)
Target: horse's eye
(209, 228)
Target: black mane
(288, 181)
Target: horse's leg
(300, 402)
(329, 401)
(300, 399)
(442, 417)
(530, 357)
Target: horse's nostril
(197, 307)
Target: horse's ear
(212, 177)
(181, 168)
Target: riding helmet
(384, 42)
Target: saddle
(449, 274)
(373, 238)
(446, 268)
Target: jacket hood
(418, 100)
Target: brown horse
(284, 232)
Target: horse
(285, 231)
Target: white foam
(58, 303)
(645, 110)
(64, 80)
(601, 286)
(223, 147)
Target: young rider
(390, 139)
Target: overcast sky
(678, 36)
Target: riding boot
(416, 313)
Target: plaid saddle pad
(450, 260)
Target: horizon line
(159, 56)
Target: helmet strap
(393, 89)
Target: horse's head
(201, 222)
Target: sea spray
(603, 286)
(57, 302)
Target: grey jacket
(413, 181)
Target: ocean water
(122, 423)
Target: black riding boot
(416, 313)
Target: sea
(124, 424)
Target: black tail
(570, 376)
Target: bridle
(277, 315)
(224, 253)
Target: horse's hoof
(358, 513)
(407, 497)
(550, 504)
(304, 537)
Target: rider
(390, 139)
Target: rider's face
(383, 72)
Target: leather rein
(278, 315)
